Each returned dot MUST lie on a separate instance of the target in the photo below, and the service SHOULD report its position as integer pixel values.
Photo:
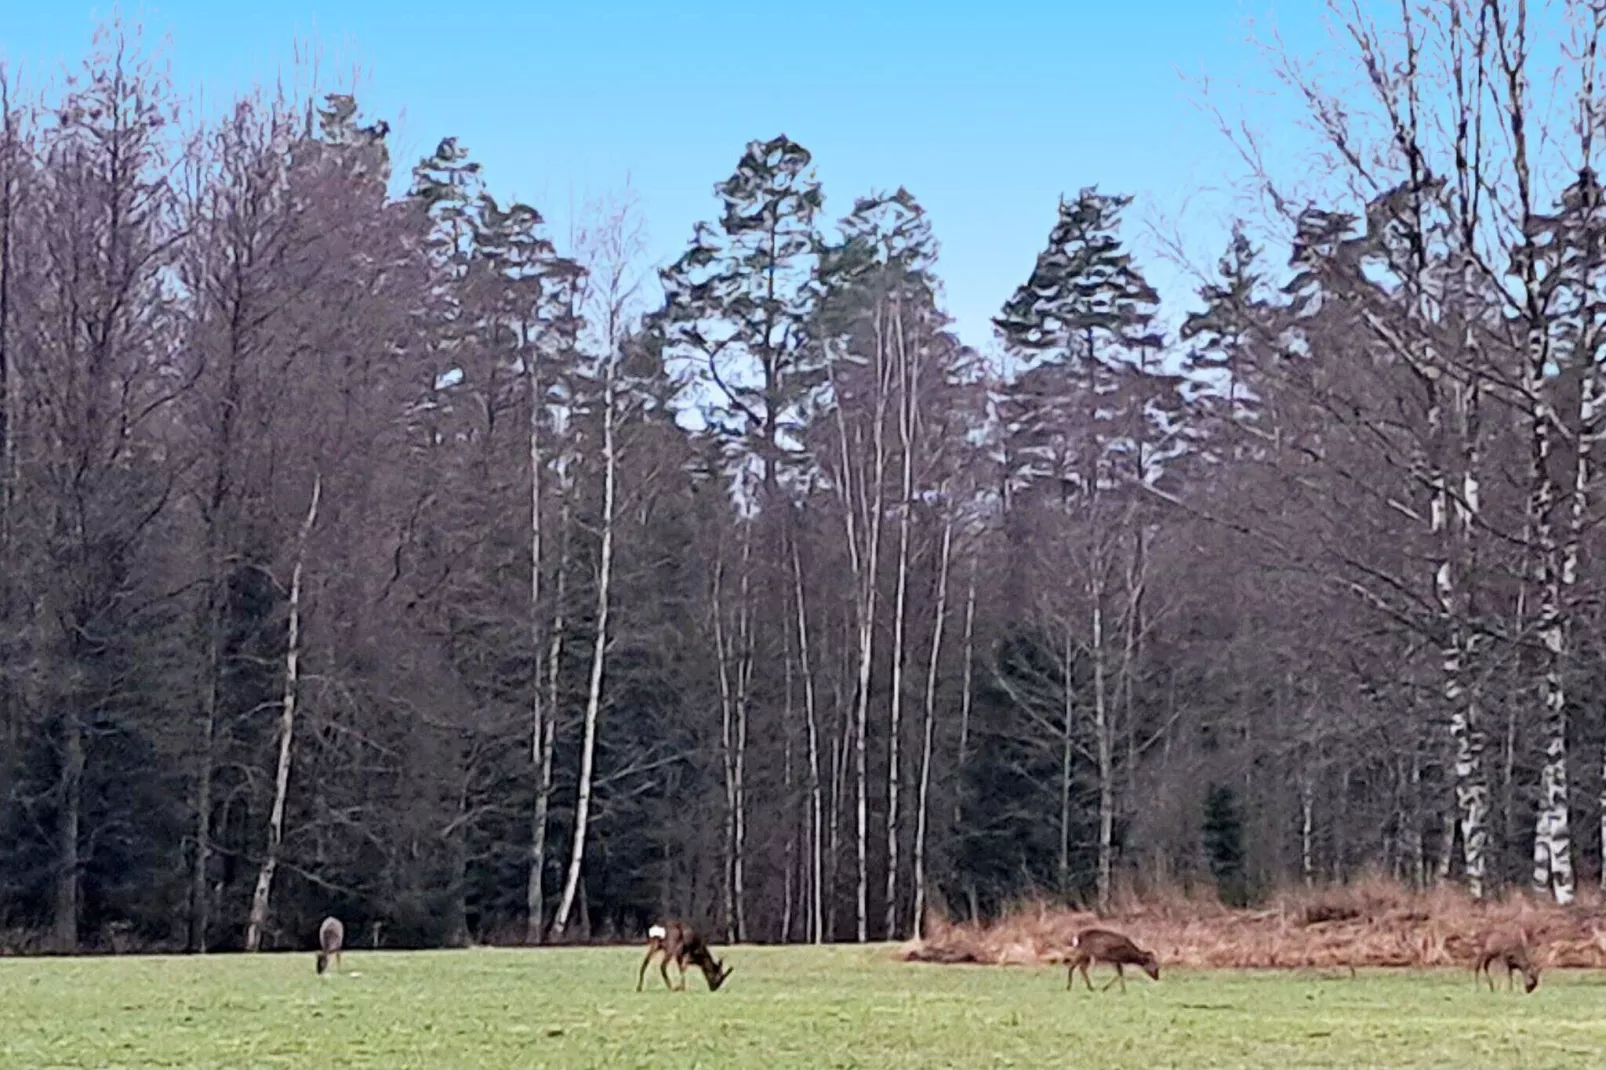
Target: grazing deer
(1102, 945)
(331, 936)
(678, 941)
(1511, 947)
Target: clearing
(783, 1007)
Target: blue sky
(987, 112)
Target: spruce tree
(1074, 333)
(1231, 335)
(1223, 833)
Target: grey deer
(331, 938)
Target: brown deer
(1509, 946)
(1101, 945)
(678, 941)
(331, 937)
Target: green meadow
(782, 1007)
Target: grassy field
(833, 1007)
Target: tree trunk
(789, 851)
(1067, 750)
(908, 373)
(200, 900)
(733, 729)
(1461, 692)
(1307, 853)
(10, 592)
(923, 804)
(287, 725)
(599, 649)
(540, 755)
(70, 792)
(1553, 870)
(816, 803)
(967, 668)
(548, 743)
(1105, 744)
(744, 686)
(864, 561)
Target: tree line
(381, 555)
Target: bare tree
(287, 726)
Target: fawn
(1511, 947)
(678, 941)
(1102, 945)
(331, 936)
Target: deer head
(716, 973)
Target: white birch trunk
(1460, 694)
(258, 920)
(1552, 837)
(599, 649)
(1552, 842)
(923, 803)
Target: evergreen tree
(1074, 332)
(1223, 832)
(1230, 337)
(737, 304)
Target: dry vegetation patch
(1366, 924)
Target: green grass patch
(783, 1007)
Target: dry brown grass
(1372, 922)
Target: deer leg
(681, 963)
(641, 974)
(1086, 980)
(1111, 982)
(663, 968)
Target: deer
(331, 937)
(1101, 945)
(1509, 946)
(678, 941)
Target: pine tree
(736, 312)
(737, 304)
